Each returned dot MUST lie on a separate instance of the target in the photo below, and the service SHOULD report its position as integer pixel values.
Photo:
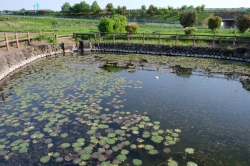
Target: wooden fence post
(159, 38)
(128, 37)
(113, 37)
(17, 43)
(99, 37)
(234, 41)
(176, 39)
(194, 40)
(28, 35)
(7, 42)
(40, 32)
(143, 38)
(213, 41)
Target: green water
(49, 105)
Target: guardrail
(143, 37)
(10, 38)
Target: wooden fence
(142, 37)
(10, 38)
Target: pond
(126, 110)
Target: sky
(130, 4)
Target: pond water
(84, 110)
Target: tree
(191, 7)
(143, 9)
(131, 28)
(95, 8)
(243, 23)
(121, 10)
(81, 7)
(214, 22)
(188, 19)
(22, 11)
(152, 9)
(109, 6)
(106, 25)
(202, 7)
(198, 8)
(65, 7)
(119, 22)
(184, 7)
(170, 8)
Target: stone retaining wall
(240, 54)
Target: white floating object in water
(156, 77)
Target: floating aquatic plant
(45, 159)
(189, 150)
(172, 163)
(157, 138)
(65, 145)
(121, 157)
(137, 162)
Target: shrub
(214, 22)
(52, 40)
(119, 22)
(106, 25)
(40, 37)
(243, 23)
(188, 19)
(190, 30)
(131, 28)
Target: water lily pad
(190, 163)
(137, 162)
(172, 163)
(45, 159)
(157, 138)
(85, 156)
(189, 150)
(65, 145)
(121, 157)
(64, 135)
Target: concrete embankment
(12, 61)
(239, 54)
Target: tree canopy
(65, 7)
(95, 8)
(243, 23)
(188, 19)
(214, 22)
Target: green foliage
(52, 40)
(106, 25)
(214, 22)
(132, 28)
(65, 7)
(184, 7)
(55, 23)
(95, 8)
(121, 10)
(143, 9)
(190, 30)
(81, 7)
(109, 6)
(40, 37)
(188, 19)
(152, 9)
(119, 23)
(243, 23)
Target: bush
(243, 23)
(214, 22)
(106, 25)
(188, 19)
(190, 30)
(52, 40)
(40, 37)
(119, 23)
(131, 28)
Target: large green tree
(143, 9)
(121, 10)
(95, 8)
(243, 23)
(214, 22)
(152, 9)
(106, 25)
(120, 22)
(81, 7)
(188, 19)
(109, 7)
(65, 7)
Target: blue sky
(131, 4)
